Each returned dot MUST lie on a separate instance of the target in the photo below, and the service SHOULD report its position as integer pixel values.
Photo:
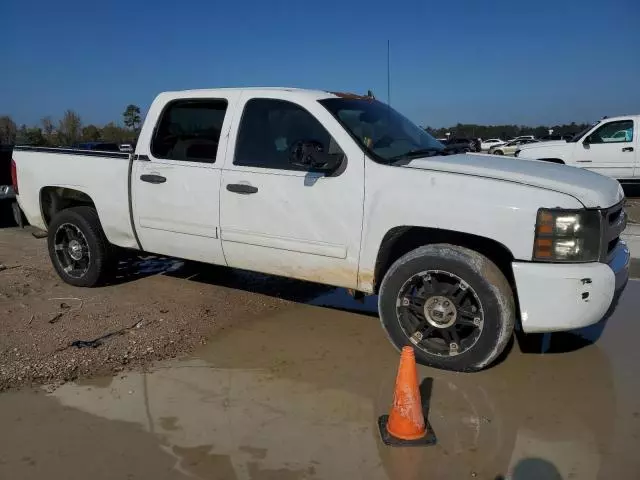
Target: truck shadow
(136, 267)
(6, 214)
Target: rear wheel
(452, 304)
(498, 152)
(78, 247)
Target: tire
(498, 152)
(483, 289)
(98, 253)
(18, 216)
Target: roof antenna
(388, 73)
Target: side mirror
(311, 155)
(586, 143)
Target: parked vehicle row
(104, 146)
(332, 188)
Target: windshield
(380, 130)
(582, 133)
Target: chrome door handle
(153, 178)
(242, 188)
(627, 149)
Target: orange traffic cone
(406, 424)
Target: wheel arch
(54, 199)
(401, 240)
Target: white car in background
(491, 142)
(609, 147)
(523, 137)
(510, 147)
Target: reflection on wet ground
(296, 395)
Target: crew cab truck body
(342, 190)
(609, 147)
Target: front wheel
(452, 304)
(78, 247)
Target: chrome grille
(614, 221)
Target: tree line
(70, 130)
(504, 131)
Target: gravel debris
(53, 332)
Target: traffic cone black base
(390, 440)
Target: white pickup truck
(343, 190)
(609, 147)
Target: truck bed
(103, 176)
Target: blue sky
(492, 61)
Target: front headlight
(567, 236)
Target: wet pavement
(296, 395)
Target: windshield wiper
(419, 152)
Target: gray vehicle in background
(9, 208)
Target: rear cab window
(189, 130)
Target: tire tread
(88, 220)
(484, 268)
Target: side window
(268, 130)
(189, 130)
(613, 132)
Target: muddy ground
(295, 393)
(156, 309)
(213, 373)
(633, 209)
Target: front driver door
(286, 220)
(175, 182)
(609, 149)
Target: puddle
(296, 395)
(340, 299)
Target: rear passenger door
(610, 149)
(176, 179)
(286, 220)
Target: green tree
(114, 133)
(30, 136)
(90, 133)
(48, 130)
(8, 130)
(132, 117)
(69, 128)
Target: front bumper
(557, 297)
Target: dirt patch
(632, 206)
(156, 309)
